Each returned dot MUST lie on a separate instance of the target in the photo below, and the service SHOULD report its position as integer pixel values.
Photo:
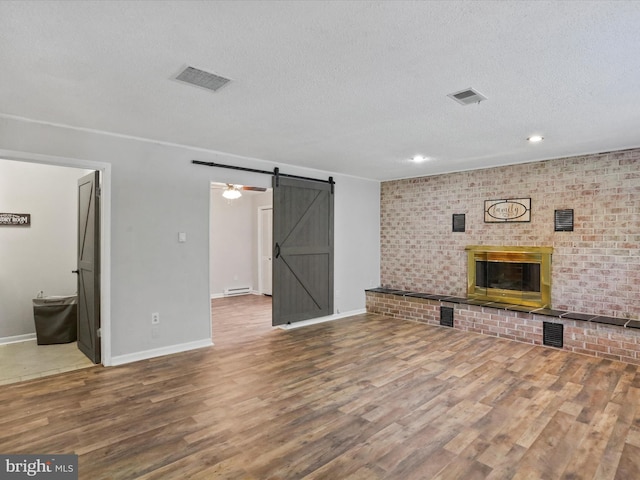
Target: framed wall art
(507, 210)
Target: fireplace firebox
(515, 275)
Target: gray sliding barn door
(89, 266)
(303, 250)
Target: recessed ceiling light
(419, 159)
(535, 138)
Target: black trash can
(56, 319)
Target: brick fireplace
(596, 266)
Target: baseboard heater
(231, 292)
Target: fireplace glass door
(509, 275)
(523, 277)
(513, 279)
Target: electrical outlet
(155, 318)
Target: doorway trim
(105, 231)
(259, 242)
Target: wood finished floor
(238, 319)
(361, 398)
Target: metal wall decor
(458, 222)
(563, 220)
(15, 219)
(507, 210)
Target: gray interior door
(89, 266)
(303, 250)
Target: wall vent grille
(552, 334)
(446, 316)
(564, 220)
(458, 222)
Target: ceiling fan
(232, 191)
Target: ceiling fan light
(231, 193)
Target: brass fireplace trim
(539, 255)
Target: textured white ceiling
(352, 87)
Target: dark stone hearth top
(584, 317)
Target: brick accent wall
(598, 340)
(596, 268)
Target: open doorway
(240, 232)
(38, 259)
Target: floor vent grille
(446, 316)
(552, 334)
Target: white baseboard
(159, 352)
(184, 347)
(314, 321)
(17, 338)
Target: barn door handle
(277, 251)
(75, 271)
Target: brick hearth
(598, 336)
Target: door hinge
(98, 192)
(99, 332)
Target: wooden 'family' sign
(509, 210)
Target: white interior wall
(155, 193)
(356, 253)
(231, 242)
(39, 257)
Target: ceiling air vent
(467, 96)
(203, 79)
